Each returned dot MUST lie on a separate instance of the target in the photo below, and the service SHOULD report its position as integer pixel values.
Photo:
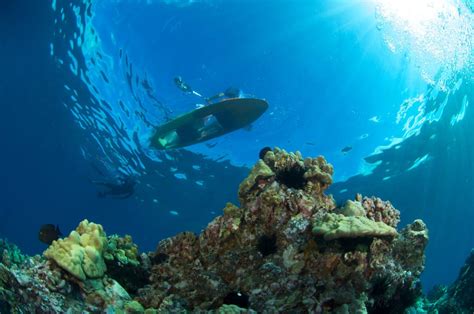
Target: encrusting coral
(335, 226)
(287, 248)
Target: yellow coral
(352, 208)
(80, 253)
(259, 171)
(335, 226)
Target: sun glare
(437, 33)
(416, 16)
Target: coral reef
(36, 286)
(10, 254)
(71, 275)
(125, 264)
(379, 210)
(287, 248)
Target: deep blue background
(44, 177)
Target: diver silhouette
(231, 92)
(123, 188)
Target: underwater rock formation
(459, 297)
(287, 248)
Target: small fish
(310, 143)
(375, 119)
(146, 85)
(48, 233)
(346, 149)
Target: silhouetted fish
(346, 149)
(263, 151)
(48, 233)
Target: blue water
(84, 82)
